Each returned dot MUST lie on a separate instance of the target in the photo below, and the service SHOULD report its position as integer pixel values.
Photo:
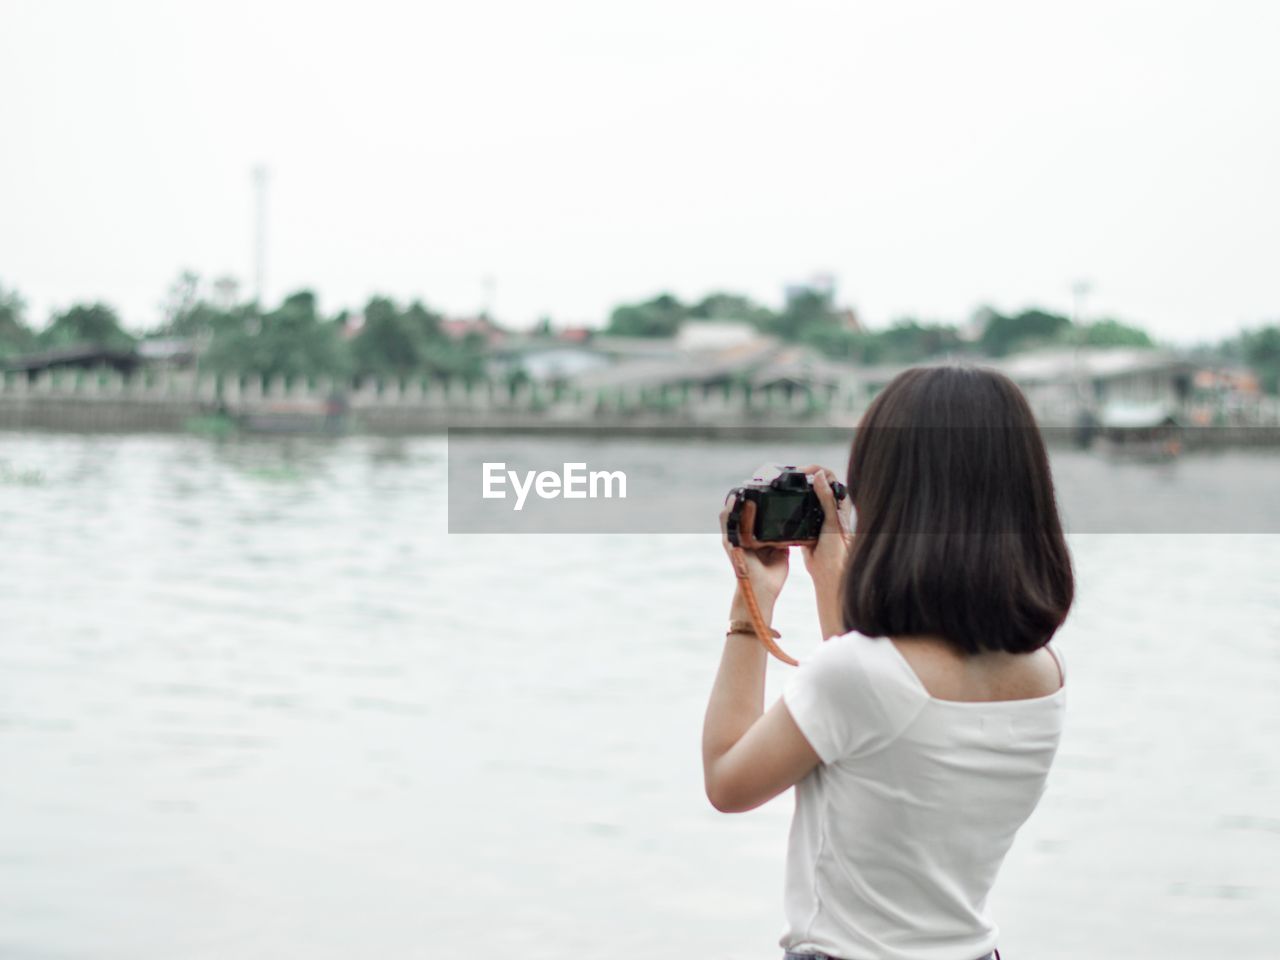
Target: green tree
(1007, 334)
(451, 358)
(93, 324)
(15, 336)
(189, 315)
(291, 341)
(1113, 333)
(205, 321)
(841, 344)
(180, 301)
(1261, 351)
(386, 343)
(807, 311)
(732, 306)
(467, 357)
(907, 341)
(395, 342)
(658, 317)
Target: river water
(255, 702)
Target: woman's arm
(749, 756)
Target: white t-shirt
(899, 832)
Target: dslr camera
(777, 507)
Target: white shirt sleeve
(845, 703)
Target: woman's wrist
(740, 610)
(830, 614)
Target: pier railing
(105, 399)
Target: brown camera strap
(763, 632)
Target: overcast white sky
(932, 155)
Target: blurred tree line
(84, 323)
(810, 317)
(297, 340)
(293, 340)
(392, 340)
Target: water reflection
(254, 701)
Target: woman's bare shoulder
(949, 674)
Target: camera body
(777, 507)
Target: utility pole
(489, 284)
(260, 183)
(1079, 290)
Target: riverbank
(180, 402)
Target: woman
(920, 734)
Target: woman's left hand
(766, 569)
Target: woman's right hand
(826, 559)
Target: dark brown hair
(957, 531)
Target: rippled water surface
(256, 702)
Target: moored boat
(1133, 431)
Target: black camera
(777, 507)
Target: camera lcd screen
(781, 515)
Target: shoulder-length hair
(957, 531)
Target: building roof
(81, 355)
(682, 367)
(714, 334)
(459, 327)
(625, 348)
(166, 348)
(1093, 363)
